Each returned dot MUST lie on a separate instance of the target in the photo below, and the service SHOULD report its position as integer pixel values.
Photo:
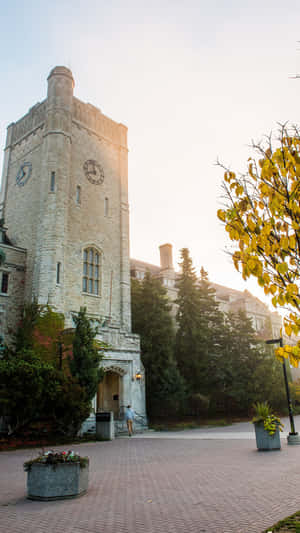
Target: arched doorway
(109, 392)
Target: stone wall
(22, 202)
(11, 302)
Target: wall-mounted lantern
(138, 376)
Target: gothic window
(91, 271)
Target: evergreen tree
(152, 320)
(188, 318)
(201, 328)
(246, 371)
(87, 355)
(212, 334)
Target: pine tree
(212, 334)
(87, 355)
(188, 319)
(152, 320)
(200, 328)
(246, 371)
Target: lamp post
(293, 437)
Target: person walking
(129, 417)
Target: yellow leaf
(292, 242)
(284, 241)
(292, 289)
(282, 268)
(221, 215)
(294, 361)
(273, 289)
(288, 329)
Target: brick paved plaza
(163, 485)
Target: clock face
(93, 171)
(24, 174)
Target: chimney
(166, 259)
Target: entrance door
(109, 393)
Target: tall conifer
(151, 319)
(188, 319)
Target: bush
(198, 404)
(31, 390)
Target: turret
(60, 88)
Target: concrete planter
(56, 482)
(265, 441)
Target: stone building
(64, 200)
(230, 300)
(12, 284)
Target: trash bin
(105, 428)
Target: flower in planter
(54, 458)
(263, 415)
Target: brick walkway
(158, 485)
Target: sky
(193, 81)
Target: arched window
(91, 271)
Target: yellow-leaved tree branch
(262, 218)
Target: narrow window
(58, 268)
(52, 182)
(78, 195)
(4, 283)
(91, 271)
(106, 207)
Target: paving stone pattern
(161, 486)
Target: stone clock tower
(64, 200)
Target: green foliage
(26, 386)
(48, 327)
(39, 330)
(70, 407)
(262, 411)
(24, 335)
(295, 392)
(32, 384)
(291, 523)
(200, 328)
(151, 319)
(198, 404)
(246, 371)
(188, 317)
(87, 355)
(263, 415)
(220, 356)
(32, 389)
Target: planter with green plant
(267, 427)
(57, 475)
